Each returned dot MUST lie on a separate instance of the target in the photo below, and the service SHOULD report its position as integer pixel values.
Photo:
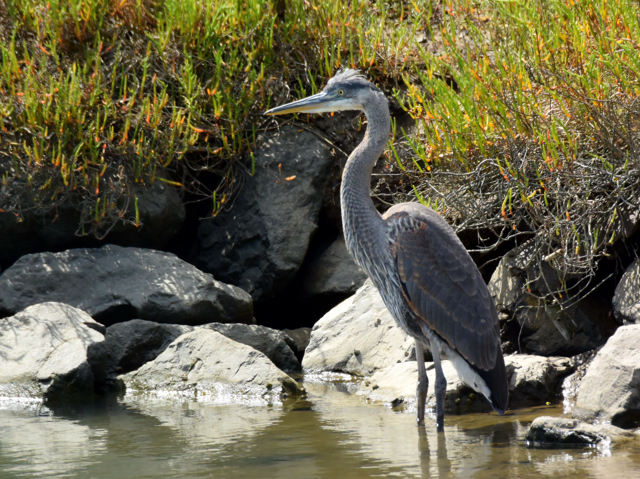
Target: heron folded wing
(444, 288)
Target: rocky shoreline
(55, 352)
(87, 321)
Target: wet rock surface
(610, 388)
(43, 353)
(396, 385)
(131, 344)
(548, 431)
(208, 365)
(357, 337)
(261, 243)
(115, 284)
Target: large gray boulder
(205, 364)
(270, 342)
(546, 431)
(261, 242)
(533, 380)
(626, 300)
(43, 353)
(332, 272)
(160, 213)
(522, 287)
(610, 389)
(116, 284)
(357, 337)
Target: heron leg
(423, 383)
(441, 387)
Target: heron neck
(362, 224)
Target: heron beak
(319, 103)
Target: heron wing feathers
(443, 286)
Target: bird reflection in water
(442, 462)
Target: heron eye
(340, 92)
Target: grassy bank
(526, 112)
(539, 139)
(97, 95)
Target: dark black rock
(115, 284)
(160, 213)
(332, 272)
(261, 242)
(561, 327)
(127, 346)
(626, 300)
(298, 340)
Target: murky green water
(332, 434)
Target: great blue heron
(425, 276)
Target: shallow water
(330, 434)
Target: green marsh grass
(100, 95)
(539, 139)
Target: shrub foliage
(540, 139)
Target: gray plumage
(424, 274)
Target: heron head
(348, 90)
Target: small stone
(545, 431)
